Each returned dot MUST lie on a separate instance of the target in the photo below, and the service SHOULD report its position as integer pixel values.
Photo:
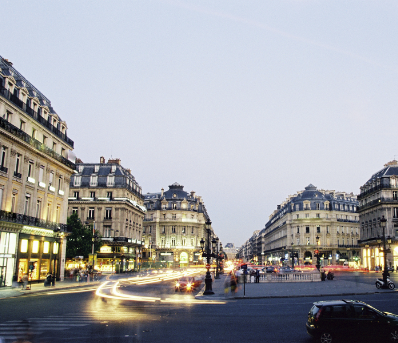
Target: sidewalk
(247, 291)
(9, 292)
(292, 289)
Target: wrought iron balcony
(4, 124)
(31, 221)
(29, 111)
(18, 175)
(377, 202)
(3, 169)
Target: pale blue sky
(244, 102)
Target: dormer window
(110, 180)
(77, 181)
(96, 168)
(113, 169)
(94, 180)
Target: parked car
(352, 320)
(188, 283)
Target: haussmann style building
(379, 197)
(173, 227)
(312, 220)
(36, 162)
(107, 197)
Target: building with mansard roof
(379, 197)
(173, 227)
(36, 162)
(106, 196)
(310, 220)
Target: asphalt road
(84, 317)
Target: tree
(80, 239)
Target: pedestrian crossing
(32, 329)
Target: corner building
(173, 227)
(107, 197)
(36, 162)
(298, 221)
(378, 198)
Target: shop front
(8, 244)
(38, 254)
(118, 257)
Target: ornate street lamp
(292, 257)
(383, 223)
(217, 259)
(208, 254)
(318, 262)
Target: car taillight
(318, 314)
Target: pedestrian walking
(25, 280)
(257, 276)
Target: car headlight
(177, 284)
(189, 285)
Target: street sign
(316, 252)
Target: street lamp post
(318, 262)
(217, 260)
(383, 222)
(292, 257)
(208, 254)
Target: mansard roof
(8, 70)
(390, 169)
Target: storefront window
(22, 268)
(55, 248)
(35, 247)
(46, 247)
(24, 245)
(44, 268)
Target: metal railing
(31, 221)
(4, 124)
(378, 201)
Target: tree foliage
(80, 239)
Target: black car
(332, 321)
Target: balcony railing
(29, 111)
(18, 175)
(347, 220)
(3, 169)
(348, 245)
(31, 221)
(378, 201)
(4, 124)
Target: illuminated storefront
(39, 253)
(8, 241)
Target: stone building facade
(312, 220)
(378, 198)
(36, 162)
(107, 197)
(173, 227)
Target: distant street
(63, 316)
